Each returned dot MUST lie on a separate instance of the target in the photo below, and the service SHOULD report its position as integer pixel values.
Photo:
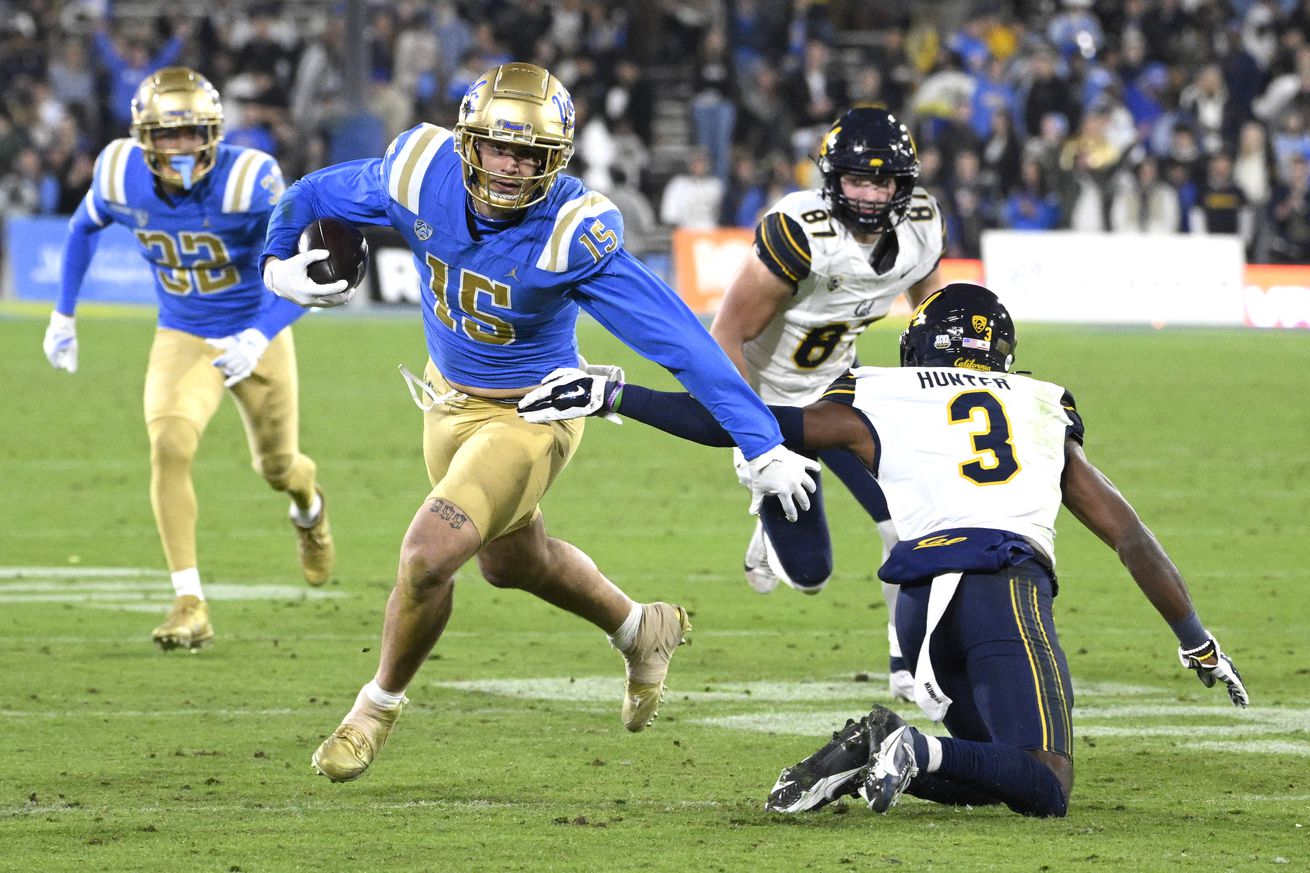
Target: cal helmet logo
(979, 323)
(830, 140)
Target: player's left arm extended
(1097, 503)
(573, 393)
(637, 307)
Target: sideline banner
(34, 246)
(1050, 276)
(1276, 296)
(1116, 278)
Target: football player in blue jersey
(975, 461)
(199, 209)
(508, 251)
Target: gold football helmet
(171, 98)
(517, 105)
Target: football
(347, 251)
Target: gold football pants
(182, 392)
(490, 463)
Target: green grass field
(511, 756)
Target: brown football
(347, 251)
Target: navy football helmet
(962, 325)
(868, 141)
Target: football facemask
(176, 100)
(514, 105)
(868, 142)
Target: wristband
(612, 397)
(1190, 633)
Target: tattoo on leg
(449, 513)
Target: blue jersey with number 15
(500, 303)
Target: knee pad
(172, 441)
(276, 470)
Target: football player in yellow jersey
(199, 209)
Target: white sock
(187, 582)
(934, 754)
(384, 699)
(623, 638)
(893, 642)
(308, 517)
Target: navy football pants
(996, 654)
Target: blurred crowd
(1147, 116)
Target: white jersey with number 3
(966, 449)
(811, 341)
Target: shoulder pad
(111, 171)
(797, 203)
(1075, 430)
(842, 390)
(927, 221)
(581, 211)
(407, 159)
(250, 170)
(782, 245)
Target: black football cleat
(837, 769)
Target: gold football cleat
(348, 752)
(663, 628)
(318, 556)
(187, 625)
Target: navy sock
(1011, 775)
(930, 786)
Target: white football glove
(742, 467)
(60, 343)
(241, 353)
(290, 279)
(1210, 663)
(614, 375)
(785, 475)
(570, 392)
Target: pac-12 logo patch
(979, 322)
(422, 230)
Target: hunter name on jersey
(842, 287)
(997, 466)
(203, 244)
